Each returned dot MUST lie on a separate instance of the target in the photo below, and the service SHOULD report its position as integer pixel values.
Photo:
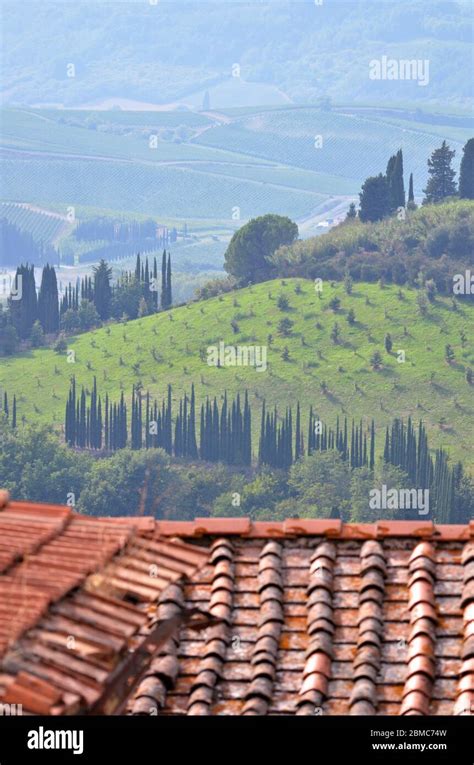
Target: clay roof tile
(423, 550)
(363, 690)
(318, 662)
(415, 701)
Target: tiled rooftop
(228, 616)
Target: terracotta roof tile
(264, 657)
(232, 616)
(65, 624)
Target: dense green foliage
(437, 240)
(374, 199)
(251, 247)
(466, 172)
(35, 466)
(441, 181)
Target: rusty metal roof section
(235, 617)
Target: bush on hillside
(435, 239)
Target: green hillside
(425, 386)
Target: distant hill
(424, 386)
(77, 53)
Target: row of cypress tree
(383, 195)
(10, 414)
(409, 451)
(100, 291)
(225, 435)
(361, 450)
(26, 306)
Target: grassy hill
(425, 386)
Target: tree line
(17, 246)
(225, 435)
(32, 314)
(98, 423)
(9, 413)
(382, 195)
(112, 230)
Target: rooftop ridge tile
(315, 527)
(363, 699)
(420, 677)
(220, 606)
(464, 704)
(264, 659)
(320, 627)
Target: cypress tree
(386, 450)
(372, 446)
(146, 283)
(192, 445)
(202, 435)
(83, 420)
(106, 423)
(14, 413)
(147, 421)
(466, 172)
(23, 304)
(247, 432)
(395, 181)
(262, 440)
(164, 302)
(411, 194)
(298, 433)
(48, 308)
(169, 295)
(389, 175)
(441, 183)
(155, 284)
(102, 292)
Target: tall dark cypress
(247, 432)
(169, 295)
(263, 434)
(23, 303)
(102, 291)
(106, 423)
(48, 307)
(192, 445)
(154, 293)
(164, 301)
(298, 433)
(411, 194)
(14, 413)
(146, 283)
(372, 446)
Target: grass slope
(40, 378)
